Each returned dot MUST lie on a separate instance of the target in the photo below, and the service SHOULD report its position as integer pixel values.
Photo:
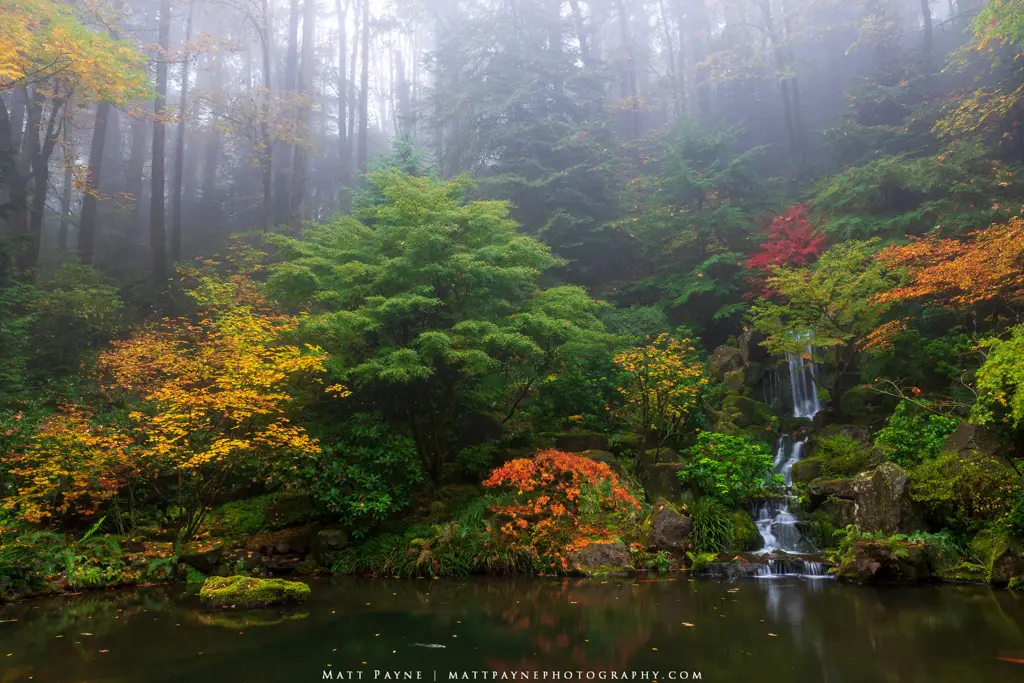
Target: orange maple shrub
(987, 267)
(545, 521)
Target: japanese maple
(792, 242)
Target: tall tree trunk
(364, 95)
(266, 153)
(65, 197)
(179, 146)
(581, 33)
(699, 44)
(87, 225)
(21, 159)
(41, 151)
(300, 158)
(344, 153)
(629, 80)
(157, 227)
(284, 150)
(134, 182)
(353, 103)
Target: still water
(769, 631)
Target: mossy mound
(746, 536)
(245, 591)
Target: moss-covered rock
(723, 360)
(807, 470)
(880, 562)
(245, 591)
(746, 537)
(577, 441)
(601, 559)
(666, 528)
(744, 411)
(1002, 556)
(963, 572)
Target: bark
(364, 95)
(581, 32)
(179, 147)
(300, 159)
(629, 80)
(87, 226)
(136, 167)
(283, 202)
(41, 151)
(344, 153)
(65, 197)
(157, 226)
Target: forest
(425, 288)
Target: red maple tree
(792, 242)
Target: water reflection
(773, 630)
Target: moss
(244, 591)
(1016, 584)
(988, 546)
(965, 571)
(823, 532)
(243, 620)
(745, 533)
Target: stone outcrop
(807, 470)
(327, 544)
(601, 559)
(1001, 556)
(877, 562)
(575, 442)
(972, 438)
(660, 481)
(723, 360)
(605, 457)
(877, 500)
(668, 528)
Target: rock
(289, 510)
(734, 381)
(660, 481)
(729, 571)
(1001, 555)
(860, 433)
(605, 457)
(807, 470)
(245, 591)
(840, 511)
(245, 560)
(280, 564)
(574, 442)
(744, 411)
(876, 562)
(669, 530)
(746, 537)
(823, 488)
(206, 561)
(600, 559)
(327, 544)
(883, 503)
(654, 456)
(970, 437)
(722, 360)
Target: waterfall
(778, 526)
(803, 379)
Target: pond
(511, 629)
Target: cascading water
(803, 378)
(779, 528)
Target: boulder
(575, 442)
(601, 559)
(1001, 555)
(245, 591)
(877, 562)
(746, 536)
(734, 381)
(722, 360)
(859, 433)
(655, 455)
(660, 481)
(970, 437)
(807, 470)
(605, 457)
(840, 511)
(744, 411)
(669, 529)
(883, 503)
(819, 490)
(327, 544)
(287, 542)
(205, 561)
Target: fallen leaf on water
(104, 651)
(655, 649)
(686, 623)
(85, 634)
(1013, 660)
(772, 635)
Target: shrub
(700, 561)
(365, 475)
(966, 492)
(729, 468)
(911, 436)
(841, 456)
(545, 520)
(30, 561)
(713, 528)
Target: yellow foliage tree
(666, 379)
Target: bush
(729, 468)
(967, 492)
(364, 476)
(700, 561)
(911, 436)
(30, 562)
(841, 456)
(714, 526)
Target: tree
(831, 305)
(431, 308)
(157, 215)
(666, 379)
(792, 242)
(1000, 381)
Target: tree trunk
(283, 202)
(267, 151)
(629, 81)
(41, 151)
(344, 153)
(87, 226)
(179, 147)
(300, 159)
(581, 33)
(65, 197)
(157, 228)
(134, 182)
(364, 95)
